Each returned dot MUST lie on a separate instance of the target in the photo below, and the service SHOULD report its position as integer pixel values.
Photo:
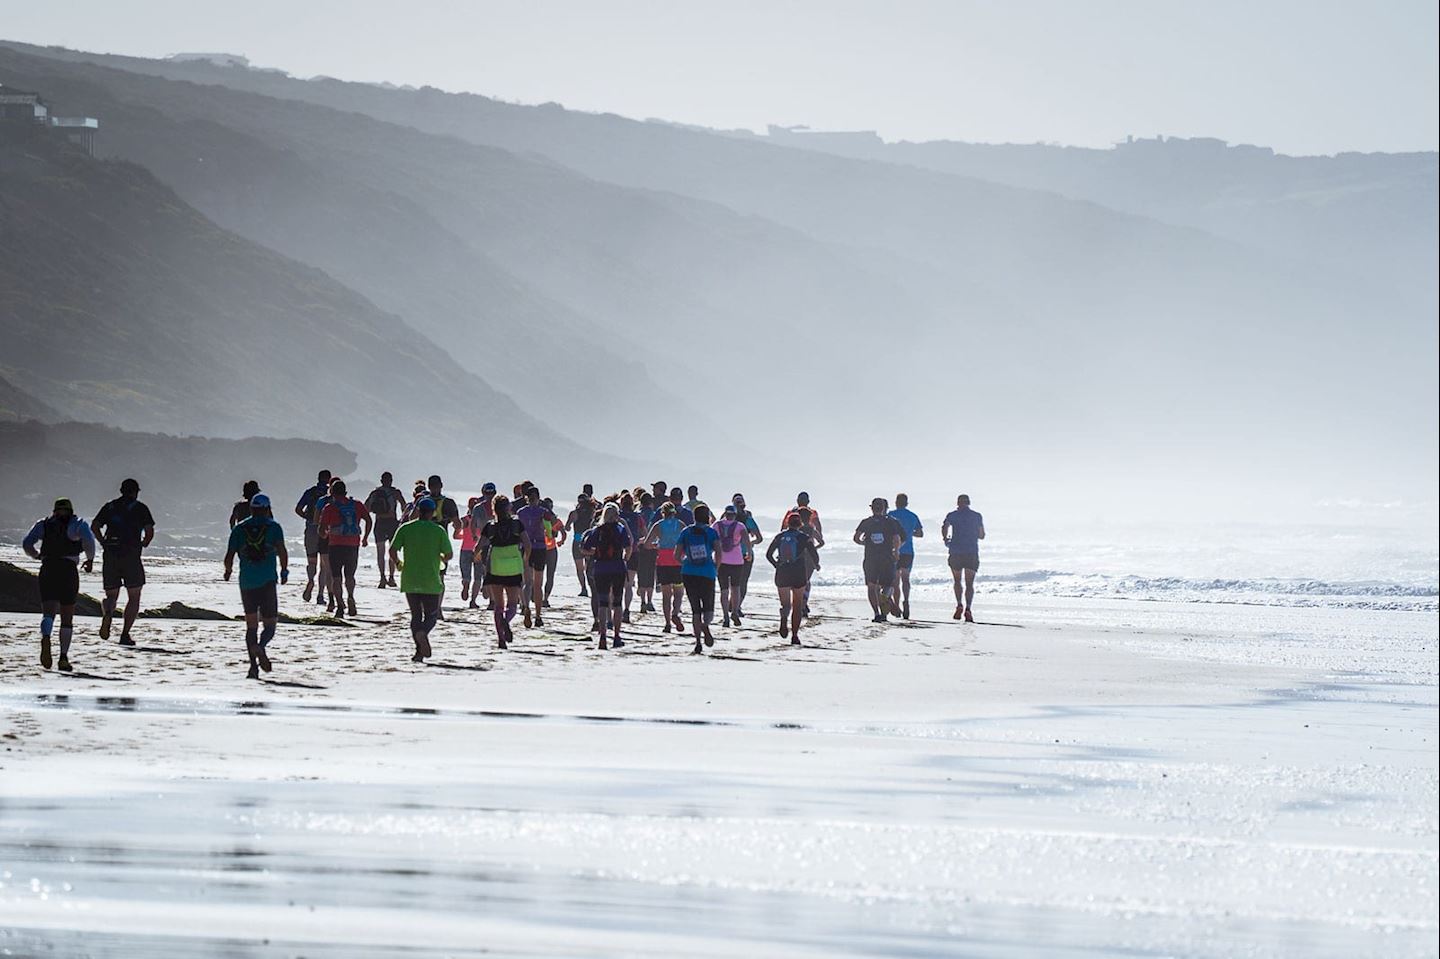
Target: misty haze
(785, 515)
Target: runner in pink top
(733, 536)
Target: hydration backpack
(790, 548)
(256, 545)
(349, 518)
(607, 543)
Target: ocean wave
(1274, 592)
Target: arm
(229, 563)
(147, 536)
(945, 532)
(33, 537)
(369, 525)
(980, 533)
(629, 547)
(919, 532)
(715, 547)
(770, 553)
(525, 546)
(283, 555)
(87, 540)
(301, 504)
(859, 539)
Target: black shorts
(700, 590)
(667, 575)
(513, 579)
(792, 576)
(385, 528)
(906, 561)
(344, 560)
(610, 589)
(59, 581)
(263, 600)
(322, 546)
(970, 561)
(312, 540)
(731, 574)
(537, 560)
(880, 571)
(122, 567)
(633, 563)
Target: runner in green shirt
(425, 545)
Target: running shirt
(534, 518)
(670, 530)
(446, 512)
(481, 513)
(878, 533)
(795, 511)
(581, 519)
(965, 525)
(697, 545)
(750, 527)
(468, 534)
(308, 499)
(124, 521)
(257, 542)
(609, 541)
(349, 515)
(685, 516)
(909, 522)
(650, 515)
(505, 536)
(733, 537)
(423, 545)
(239, 513)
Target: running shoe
(105, 620)
(417, 658)
(726, 623)
(906, 611)
(262, 659)
(969, 618)
(625, 617)
(618, 642)
(603, 644)
(697, 650)
(254, 672)
(309, 591)
(382, 583)
(679, 624)
(784, 629)
(464, 590)
(392, 582)
(545, 603)
(539, 622)
(351, 608)
(125, 640)
(64, 665)
(795, 641)
(709, 640)
(959, 613)
(45, 659)
(527, 617)
(667, 627)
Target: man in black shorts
(385, 503)
(125, 528)
(259, 542)
(881, 536)
(307, 508)
(57, 542)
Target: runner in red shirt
(341, 522)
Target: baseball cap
(426, 503)
(259, 501)
(488, 488)
(63, 502)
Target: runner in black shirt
(881, 535)
(124, 527)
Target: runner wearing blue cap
(259, 542)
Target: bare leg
(47, 625)
(132, 609)
(969, 588)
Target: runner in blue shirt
(963, 530)
(910, 523)
(259, 542)
(698, 551)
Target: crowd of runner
(626, 546)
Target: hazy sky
(1304, 76)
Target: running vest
(607, 543)
(56, 543)
(349, 517)
(790, 547)
(730, 534)
(117, 521)
(506, 559)
(257, 541)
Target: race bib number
(877, 538)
